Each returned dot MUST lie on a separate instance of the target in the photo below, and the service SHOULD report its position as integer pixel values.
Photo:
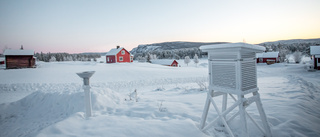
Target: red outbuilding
(118, 55)
(172, 63)
(19, 58)
(315, 53)
(267, 57)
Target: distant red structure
(19, 59)
(315, 54)
(267, 57)
(172, 63)
(119, 55)
(1, 60)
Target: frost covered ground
(49, 100)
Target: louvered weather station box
(232, 71)
(232, 67)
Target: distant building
(315, 53)
(268, 57)
(1, 60)
(172, 63)
(19, 58)
(119, 55)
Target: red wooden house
(19, 58)
(118, 55)
(267, 57)
(172, 63)
(315, 53)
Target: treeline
(171, 54)
(51, 57)
(285, 49)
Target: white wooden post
(86, 87)
(243, 119)
(263, 115)
(205, 112)
(87, 95)
(224, 105)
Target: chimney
(118, 47)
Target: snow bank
(115, 126)
(130, 118)
(38, 110)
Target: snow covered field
(49, 100)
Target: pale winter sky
(76, 26)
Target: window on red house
(120, 58)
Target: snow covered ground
(49, 100)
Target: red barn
(315, 53)
(19, 58)
(172, 63)
(118, 55)
(268, 57)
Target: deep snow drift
(49, 100)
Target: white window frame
(120, 58)
(108, 59)
(123, 52)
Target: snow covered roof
(18, 52)
(232, 46)
(162, 62)
(267, 55)
(114, 51)
(314, 50)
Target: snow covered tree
(196, 59)
(69, 58)
(297, 56)
(148, 57)
(141, 59)
(287, 58)
(176, 56)
(52, 59)
(154, 56)
(187, 60)
(283, 54)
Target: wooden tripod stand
(240, 102)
